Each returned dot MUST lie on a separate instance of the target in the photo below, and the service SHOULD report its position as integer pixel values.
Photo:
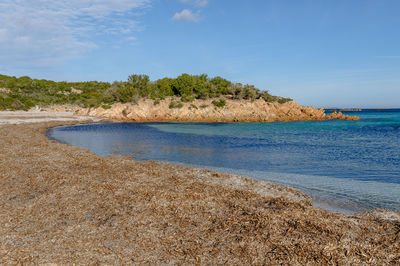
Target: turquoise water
(344, 165)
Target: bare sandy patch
(18, 117)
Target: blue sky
(340, 53)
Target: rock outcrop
(205, 111)
(341, 116)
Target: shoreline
(63, 204)
(18, 117)
(37, 116)
(323, 203)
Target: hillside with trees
(24, 93)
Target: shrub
(126, 93)
(221, 103)
(221, 85)
(174, 104)
(5, 103)
(124, 112)
(106, 106)
(183, 85)
(186, 98)
(140, 83)
(164, 87)
(284, 100)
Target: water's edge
(333, 194)
(317, 202)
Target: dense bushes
(23, 93)
(221, 103)
(174, 104)
(15, 102)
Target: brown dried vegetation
(62, 204)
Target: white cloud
(186, 15)
(199, 3)
(45, 32)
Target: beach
(19, 117)
(62, 204)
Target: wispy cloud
(199, 3)
(186, 15)
(45, 32)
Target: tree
(165, 87)
(139, 82)
(201, 86)
(221, 85)
(249, 92)
(126, 92)
(183, 85)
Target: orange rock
(205, 111)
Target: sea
(345, 166)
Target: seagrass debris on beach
(62, 204)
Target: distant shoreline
(358, 109)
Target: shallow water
(344, 165)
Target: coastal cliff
(205, 111)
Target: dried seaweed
(61, 204)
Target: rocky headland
(204, 111)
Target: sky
(342, 53)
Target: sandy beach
(61, 204)
(18, 117)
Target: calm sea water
(344, 165)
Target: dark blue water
(343, 165)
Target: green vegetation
(23, 93)
(124, 112)
(174, 104)
(106, 106)
(221, 103)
